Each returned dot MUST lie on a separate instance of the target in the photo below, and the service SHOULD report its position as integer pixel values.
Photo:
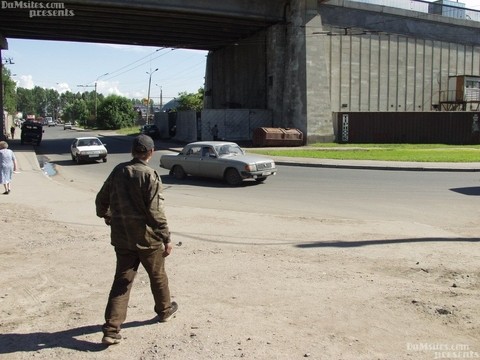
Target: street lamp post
(148, 95)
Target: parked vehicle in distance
(218, 159)
(85, 149)
(32, 133)
(50, 121)
(151, 130)
(67, 125)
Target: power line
(133, 68)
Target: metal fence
(456, 128)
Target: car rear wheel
(232, 177)
(178, 172)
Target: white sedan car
(85, 149)
(220, 160)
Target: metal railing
(467, 95)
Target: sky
(64, 66)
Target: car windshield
(89, 142)
(229, 150)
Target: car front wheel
(232, 177)
(261, 179)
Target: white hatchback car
(85, 149)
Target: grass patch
(385, 152)
(133, 130)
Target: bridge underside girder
(151, 24)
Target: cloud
(25, 81)
(108, 88)
(62, 87)
(114, 90)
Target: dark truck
(32, 132)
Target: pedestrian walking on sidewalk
(214, 132)
(131, 203)
(12, 131)
(8, 164)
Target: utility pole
(96, 95)
(161, 97)
(95, 88)
(87, 86)
(148, 95)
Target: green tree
(190, 101)
(115, 112)
(9, 96)
(77, 112)
(52, 102)
(25, 102)
(40, 99)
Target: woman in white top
(8, 164)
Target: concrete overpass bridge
(206, 25)
(301, 59)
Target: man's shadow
(12, 343)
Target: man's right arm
(156, 217)
(102, 202)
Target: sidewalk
(32, 186)
(377, 165)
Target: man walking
(131, 202)
(215, 132)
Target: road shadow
(33, 342)
(360, 243)
(471, 191)
(204, 182)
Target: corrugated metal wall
(408, 127)
(394, 73)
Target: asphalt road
(433, 198)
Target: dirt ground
(323, 291)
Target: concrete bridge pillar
(283, 69)
(306, 95)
